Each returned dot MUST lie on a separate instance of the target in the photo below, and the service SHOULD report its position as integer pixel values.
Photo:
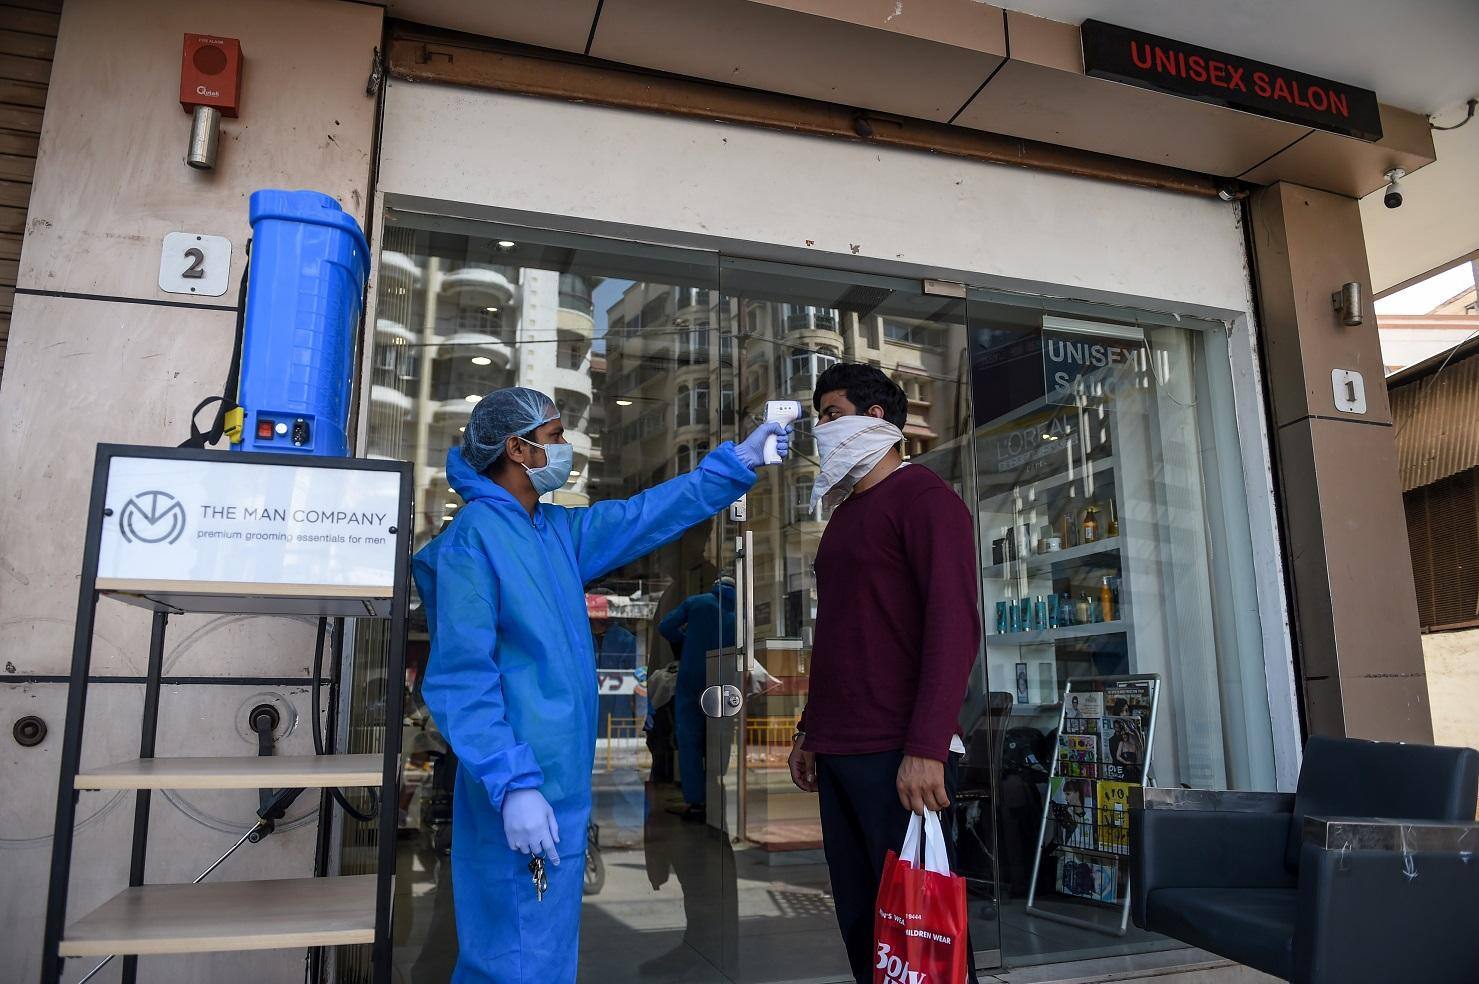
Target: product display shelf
(1043, 563)
(253, 772)
(1044, 637)
(220, 914)
(1047, 483)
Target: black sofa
(1369, 873)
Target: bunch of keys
(536, 871)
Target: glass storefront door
(1113, 528)
(1095, 446)
(788, 324)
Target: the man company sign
(224, 521)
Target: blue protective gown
(701, 624)
(511, 684)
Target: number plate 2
(193, 263)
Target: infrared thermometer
(783, 412)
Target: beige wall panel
(1368, 563)
(1439, 219)
(1452, 663)
(762, 186)
(1389, 708)
(1304, 532)
(1352, 573)
(186, 833)
(111, 179)
(80, 373)
(831, 56)
(561, 24)
(1348, 166)
(1309, 243)
(1043, 94)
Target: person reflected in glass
(701, 624)
(616, 649)
(897, 632)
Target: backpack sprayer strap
(229, 414)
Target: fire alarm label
(210, 74)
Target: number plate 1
(195, 264)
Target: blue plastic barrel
(305, 291)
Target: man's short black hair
(866, 386)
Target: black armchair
(1318, 887)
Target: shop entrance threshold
(1179, 966)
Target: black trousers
(862, 820)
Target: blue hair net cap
(502, 414)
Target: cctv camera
(1393, 197)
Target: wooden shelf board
(218, 916)
(240, 772)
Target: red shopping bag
(919, 928)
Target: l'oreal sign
(1151, 62)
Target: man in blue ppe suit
(702, 623)
(511, 680)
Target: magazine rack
(1106, 730)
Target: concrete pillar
(1360, 659)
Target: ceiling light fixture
(623, 403)
(481, 360)
(472, 398)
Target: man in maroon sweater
(897, 633)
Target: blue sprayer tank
(305, 290)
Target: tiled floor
(680, 903)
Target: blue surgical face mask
(560, 461)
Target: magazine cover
(1082, 714)
(1071, 804)
(1084, 877)
(1078, 756)
(1125, 731)
(1112, 800)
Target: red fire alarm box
(211, 73)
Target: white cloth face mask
(849, 448)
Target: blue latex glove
(751, 451)
(529, 824)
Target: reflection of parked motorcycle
(595, 868)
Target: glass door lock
(721, 702)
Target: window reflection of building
(457, 319)
(786, 348)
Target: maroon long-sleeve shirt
(898, 627)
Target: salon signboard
(1136, 58)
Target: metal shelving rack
(153, 919)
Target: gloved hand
(751, 451)
(529, 824)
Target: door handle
(747, 601)
(721, 702)
(741, 585)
